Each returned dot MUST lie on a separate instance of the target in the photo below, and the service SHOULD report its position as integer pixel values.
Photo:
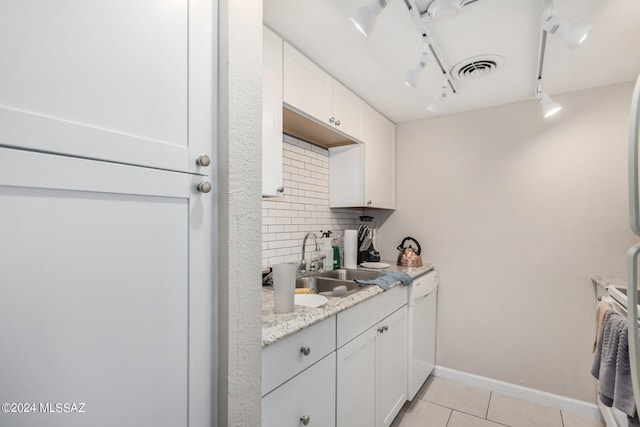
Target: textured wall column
(239, 186)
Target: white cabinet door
(106, 271)
(307, 88)
(346, 176)
(364, 175)
(271, 114)
(379, 161)
(348, 111)
(356, 381)
(372, 373)
(393, 366)
(309, 396)
(310, 90)
(107, 82)
(95, 284)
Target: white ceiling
(373, 67)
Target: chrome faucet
(302, 269)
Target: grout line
(449, 419)
(561, 418)
(474, 416)
(486, 415)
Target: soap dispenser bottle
(327, 250)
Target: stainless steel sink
(350, 275)
(325, 282)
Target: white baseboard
(585, 409)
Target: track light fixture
(548, 106)
(412, 76)
(365, 17)
(571, 33)
(437, 105)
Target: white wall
(304, 206)
(239, 164)
(517, 213)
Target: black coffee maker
(366, 237)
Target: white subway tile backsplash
(304, 207)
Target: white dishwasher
(423, 294)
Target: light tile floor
(444, 403)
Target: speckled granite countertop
(278, 326)
(616, 281)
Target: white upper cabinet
(271, 114)
(379, 161)
(311, 91)
(109, 82)
(348, 111)
(364, 175)
(307, 88)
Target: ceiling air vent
(477, 66)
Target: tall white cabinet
(272, 184)
(107, 129)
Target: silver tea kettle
(409, 257)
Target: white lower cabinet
(307, 382)
(308, 399)
(393, 366)
(356, 381)
(371, 375)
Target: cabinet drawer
(354, 321)
(284, 359)
(311, 394)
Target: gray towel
(611, 366)
(387, 278)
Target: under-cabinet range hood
(302, 127)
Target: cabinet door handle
(381, 329)
(369, 202)
(385, 327)
(204, 187)
(203, 160)
(305, 420)
(332, 120)
(306, 350)
(337, 122)
(280, 190)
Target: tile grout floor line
(486, 414)
(452, 419)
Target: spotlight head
(571, 33)
(437, 105)
(412, 75)
(549, 106)
(365, 17)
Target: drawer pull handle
(305, 420)
(306, 351)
